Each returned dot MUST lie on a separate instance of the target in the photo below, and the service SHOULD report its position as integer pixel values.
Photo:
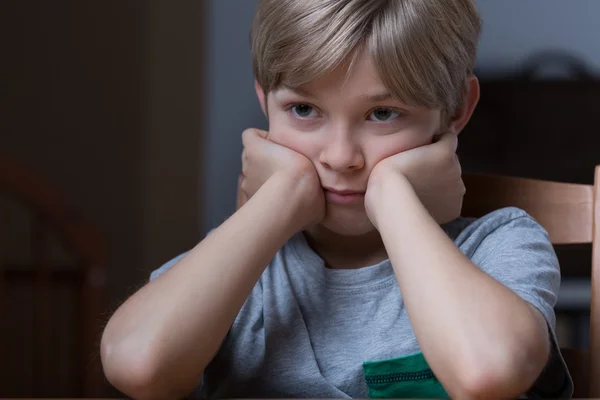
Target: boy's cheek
(402, 143)
(300, 142)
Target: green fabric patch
(404, 377)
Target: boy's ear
(260, 93)
(470, 100)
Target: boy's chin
(347, 222)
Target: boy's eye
(304, 111)
(383, 115)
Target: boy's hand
(262, 159)
(434, 173)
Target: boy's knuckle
(458, 168)
(247, 134)
(446, 158)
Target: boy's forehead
(359, 79)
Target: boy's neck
(346, 252)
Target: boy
(345, 272)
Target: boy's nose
(342, 155)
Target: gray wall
(512, 30)
(231, 105)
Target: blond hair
(424, 50)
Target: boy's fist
(262, 159)
(434, 173)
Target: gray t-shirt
(309, 331)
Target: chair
(571, 215)
(52, 290)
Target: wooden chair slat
(595, 301)
(563, 209)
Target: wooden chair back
(571, 215)
(52, 292)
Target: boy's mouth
(343, 196)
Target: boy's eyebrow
(300, 91)
(376, 97)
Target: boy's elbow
(132, 376)
(136, 376)
(507, 376)
(489, 385)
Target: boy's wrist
(385, 193)
(289, 193)
(400, 211)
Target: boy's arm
(160, 340)
(480, 338)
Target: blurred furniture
(571, 215)
(52, 291)
(539, 121)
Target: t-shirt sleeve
(518, 253)
(165, 267)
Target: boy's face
(345, 125)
